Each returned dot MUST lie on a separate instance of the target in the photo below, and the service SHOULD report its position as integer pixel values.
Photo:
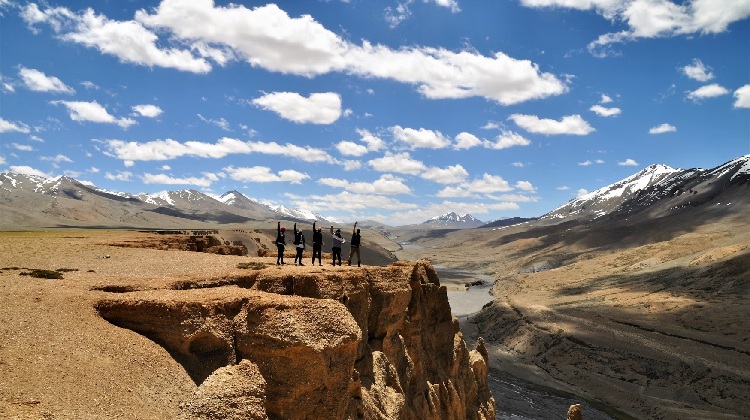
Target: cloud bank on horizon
(369, 111)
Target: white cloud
(505, 140)
(352, 165)
(28, 170)
(448, 175)
(57, 159)
(354, 202)
(262, 174)
(394, 16)
(129, 40)
(349, 148)
(93, 112)
(221, 122)
(10, 127)
(662, 128)
(656, 18)
(571, 124)
(2, 160)
(120, 176)
(206, 181)
(89, 85)
(628, 162)
(475, 208)
(386, 184)
(466, 140)
(267, 37)
(149, 111)
(22, 147)
(171, 149)
(585, 163)
(742, 97)
(563, 188)
(698, 71)
(39, 82)
(581, 192)
(605, 99)
(451, 4)
(605, 112)
(487, 184)
(420, 139)
(373, 142)
(525, 186)
(709, 91)
(318, 108)
(93, 170)
(400, 163)
(519, 164)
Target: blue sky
(387, 110)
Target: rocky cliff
(372, 343)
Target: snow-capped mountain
(34, 201)
(303, 214)
(454, 221)
(659, 190)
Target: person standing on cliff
(280, 243)
(317, 244)
(299, 244)
(336, 245)
(355, 245)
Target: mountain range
(658, 190)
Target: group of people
(336, 242)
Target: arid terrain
(646, 316)
(120, 324)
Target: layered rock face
(372, 343)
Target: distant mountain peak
(454, 220)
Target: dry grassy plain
(649, 318)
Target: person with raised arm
(299, 244)
(317, 239)
(336, 242)
(355, 245)
(280, 243)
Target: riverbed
(515, 398)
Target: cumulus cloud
(119, 176)
(655, 18)
(267, 37)
(401, 163)
(373, 142)
(10, 126)
(206, 181)
(742, 97)
(221, 122)
(349, 148)
(420, 139)
(709, 91)
(505, 140)
(605, 112)
(318, 108)
(92, 112)
(262, 174)
(662, 128)
(39, 82)
(149, 111)
(466, 140)
(22, 147)
(571, 124)
(129, 41)
(605, 99)
(28, 170)
(698, 71)
(628, 162)
(448, 175)
(487, 184)
(172, 149)
(526, 186)
(386, 184)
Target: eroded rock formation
(373, 343)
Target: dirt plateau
(149, 334)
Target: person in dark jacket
(317, 239)
(280, 243)
(336, 242)
(355, 245)
(299, 244)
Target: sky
(396, 111)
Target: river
(515, 399)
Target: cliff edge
(295, 343)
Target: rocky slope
(164, 334)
